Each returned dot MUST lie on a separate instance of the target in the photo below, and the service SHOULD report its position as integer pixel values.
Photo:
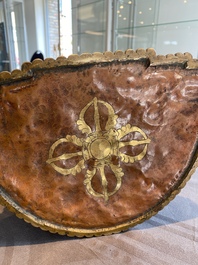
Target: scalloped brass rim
(27, 68)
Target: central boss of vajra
(102, 147)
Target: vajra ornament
(101, 146)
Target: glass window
(88, 25)
(18, 33)
(4, 57)
(13, 28)
(167, 26)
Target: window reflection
(166, 25)
(89, 26)
(12, 30)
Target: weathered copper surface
(96, 146)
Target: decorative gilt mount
(100, 147)
(97, 143)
